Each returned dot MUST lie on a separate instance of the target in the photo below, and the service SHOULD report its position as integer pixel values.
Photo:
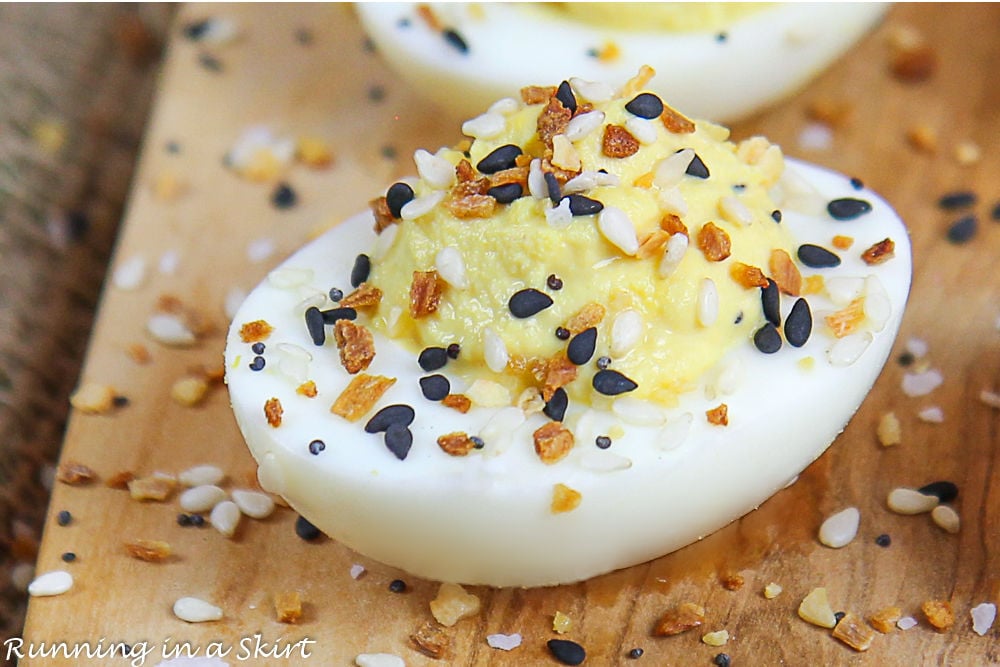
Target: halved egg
(466, 55)
(595, 333)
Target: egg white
(764, 56)
(668, 479)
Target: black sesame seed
(391, 414)
(552, 187)
(499, 159)
(403, 23)
(399, 439)
(848, 208)
(602, 442)
(739, 187)
(376, 93)
(776, 215)
(197, 29)
(564, 93)
(64, 518)
(722, 660)
(388, 152)
(767, 339)
(432, 358)
(336, 294)
(612, 383)
(555, 408)
(314, 325)
(567, 652)
(635, 653)
(883, 540)
(906, 359)
(120, 401)
(435, 387)
(697, 168)
(316, 446)
(581, 347)
(721, 37)
(554, 282)
(362, 267)
(397, 586)
(770, 299)
(839, 615)
(798, 324)
(332, 315)
(645, 105)
(68, 557)
(78, 224)
(257, 348)
(527, 302)
(305, 37)
(397, 196)
(955, 200)
(580, 205)
(506, 193)
(477, 442)
(593, 53)
(944, 490)
(817, 257)
(455, 40)
(197, 520)
(173, 147)
(963, 229)
(454, 350)
(603, 362)
(738, 318)
(284, 196)
(562, 333)
(305, 530)
(257, 364)
(210, 62)
(183, 519)
(995, 213)
(857, 183)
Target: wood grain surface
(305, 70)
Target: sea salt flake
(260, 250)
(921, 384)
(918, 347)
(504, 642)
(932, 414)
(131, 273)
(906, 623)
(357, 571)
(816, 137)
(983, 616)
(170, 260)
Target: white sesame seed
(932, 414)
(983, 615)
(194, 610)
(494, 351)
(592, 91)
(921, 384)
(485, 126)
(910, 501)
(357, 571)
(598, 461)
(918, 347)
(505, 106)
(536, 180)
(201, 498)
(169, 329)
(130, 273)
(201, 474)
(559, 216)
(946, 518)
(289, 278)
(415, 208)
(670, 170)
(734, 210)
(434, 170)
(225, 517)
(618, 229)
(671, 200)
(677, 245)
(259, 250)
(587, 180)
(642, 129)
(626, 331)
(451, 267)
(845, 351)
(55, 582)
(906, 623)
(675, 432)
(379, 660)
(639, 412)
(583, 124)
(254, 504)
(504, 642)
(841, 528)
(708, 303)
(169, 261)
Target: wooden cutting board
(305, 70)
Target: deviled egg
(587, 335)
(465, 55)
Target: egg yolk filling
(586, 240)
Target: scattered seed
(840, 529)
(603, 362)
(645, 105)
(602, 442)
(315, 325)
(284, 197)
(983, 616)
(581, 347)
(400, 414)
(956, 200)
(194, 610)
(722, 660)
(68, 557)
(564, 93)
(767, 339)
(397, 586)
(635, 653)
(883, 540)
(455, 40)
(528, 302)
(56, 582)
(334, 315)
(435, 387)
(225, 517)
(946, 518)
(432, 358)
(697, 168)
(506, 193)
(612, 383)
(798, 324)
(555, 408)
(848, 208)
(399, 439)
(910, 501)
(944, 490)
(817, 257)
(361, 269)
(963, 229)
(562, 333)
(717, 638)
(499, 159)
(580, 205)
(567, 652)
(305, 530)
(201, 498)
(64, 518)
(552, 188)
(253, 504)
(770, 297)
